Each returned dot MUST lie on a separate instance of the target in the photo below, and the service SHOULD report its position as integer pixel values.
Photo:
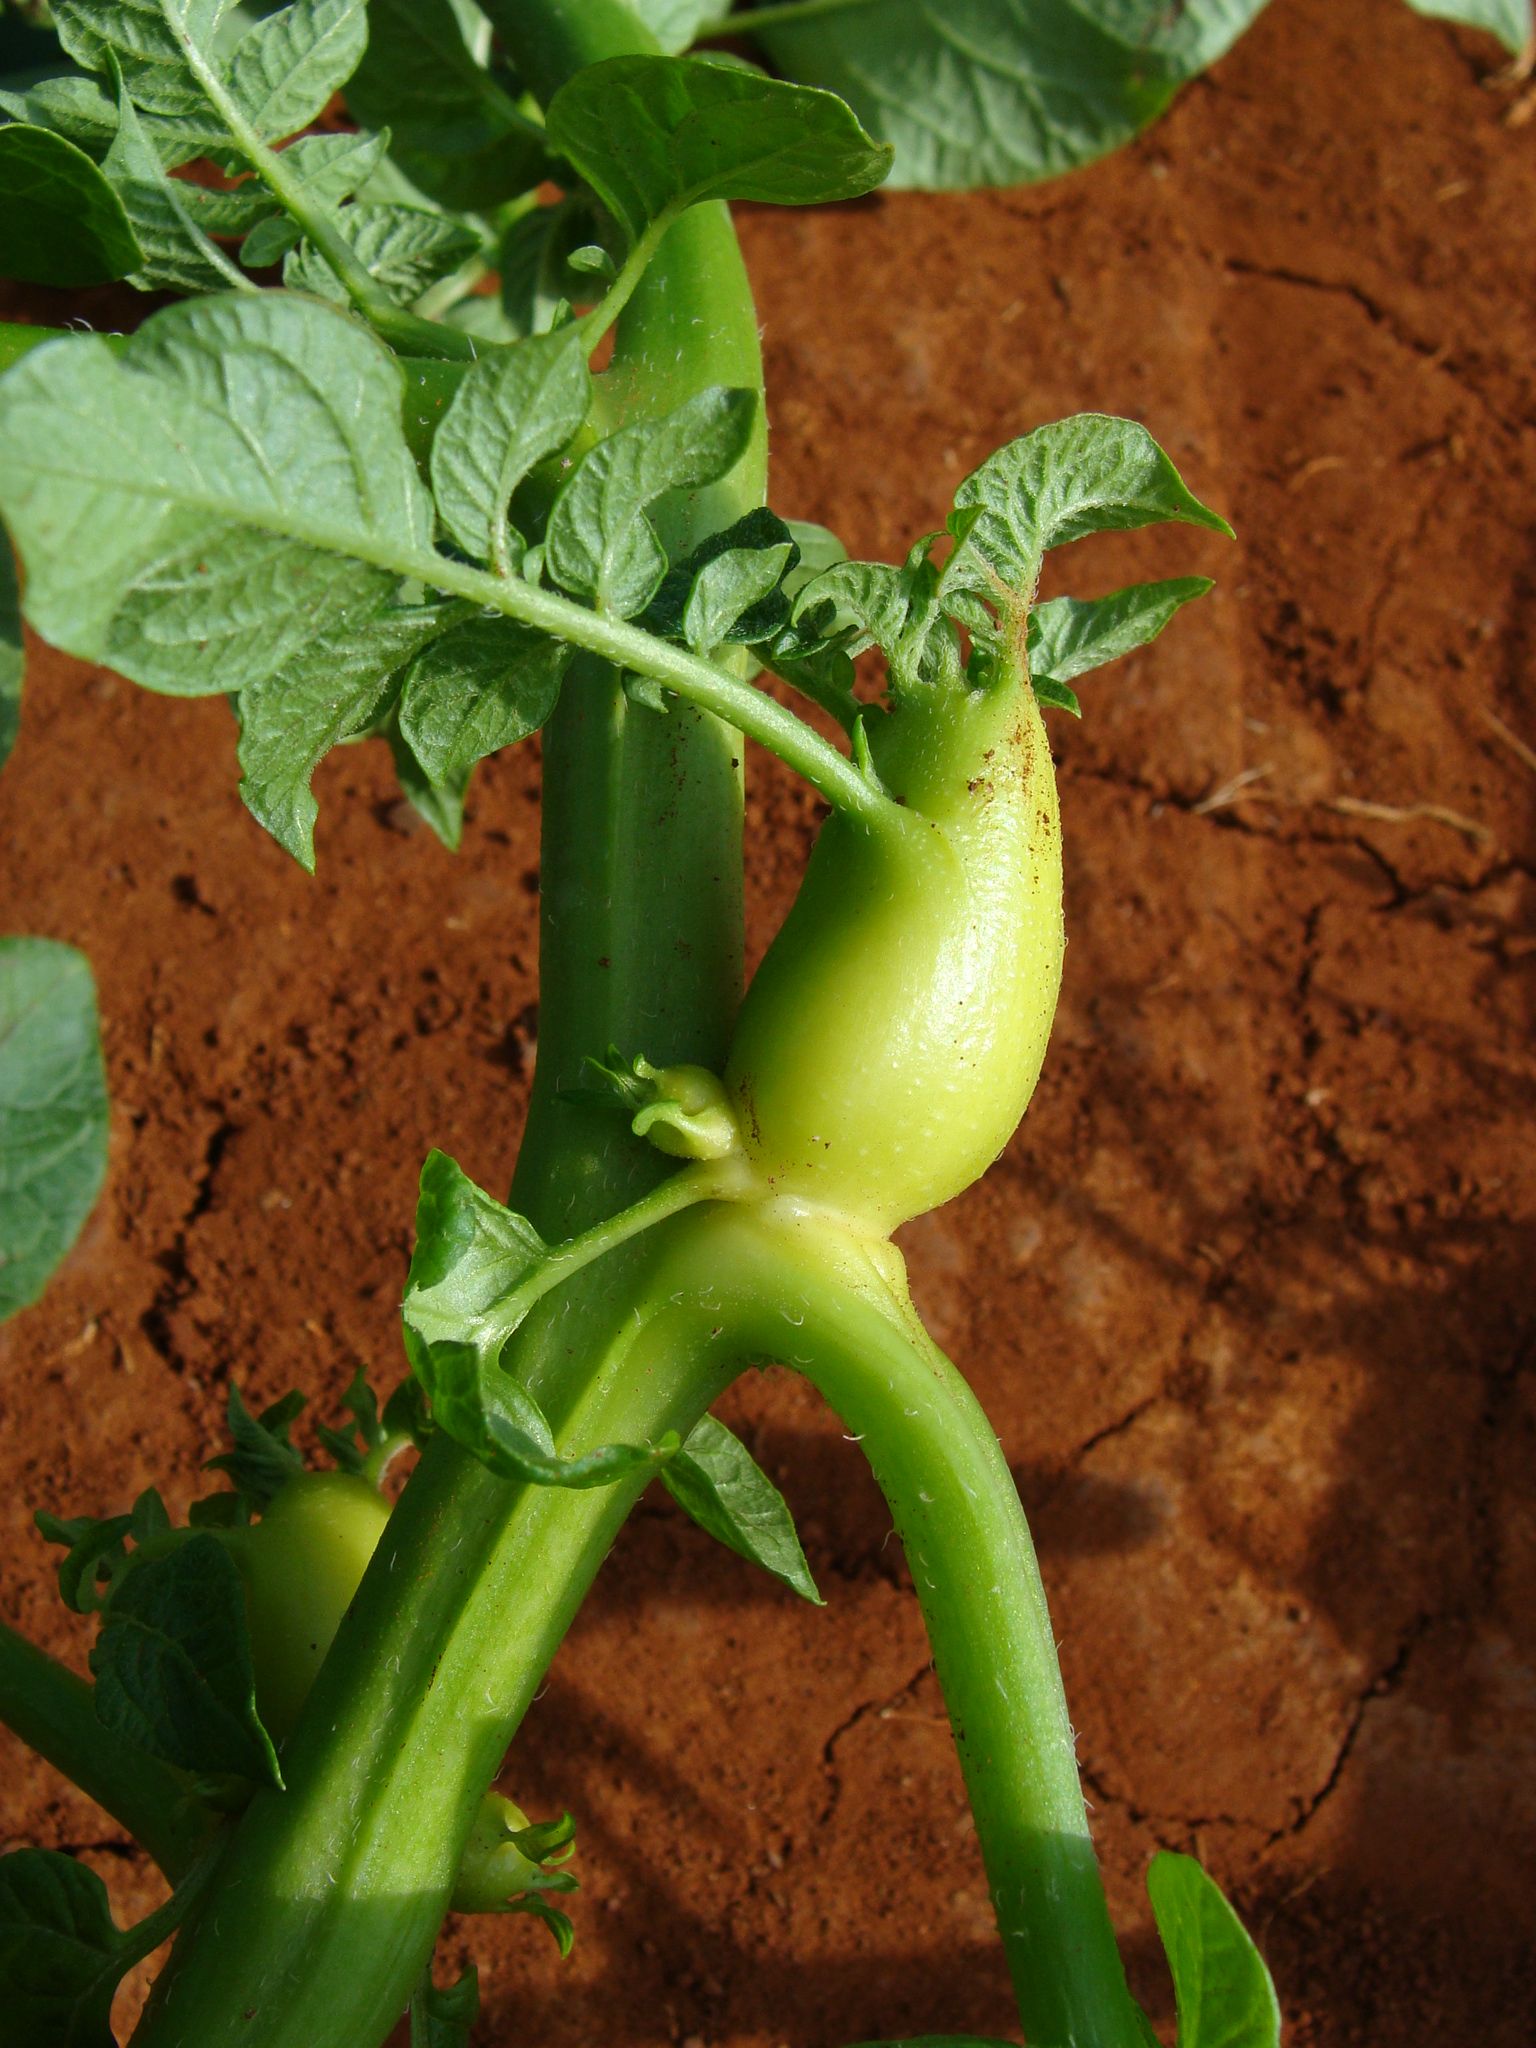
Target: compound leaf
(1224, 1992)
(405, 248)
(1069, 636)
(61, 1956)
(715, 1479)
(487, 684)
(328, 691)
(1087, 474)
(53, 1112)
(172, 1664)
(61, 223)
(193, 510)
(991, 92)
(12, 654)
(652, 135)
(600, 545)
(511, 410)
(285, 68)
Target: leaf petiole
(595, 325)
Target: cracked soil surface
(1251, 1297)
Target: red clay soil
(1251, 1298)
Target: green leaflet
(510, 412)
(487, 684)
(441, 2017)
(61, 1954)
(330, 168)
(534, 261)
(716, 1480)
(1225, 1996)
(652, 135)
(758, 533)
(1069, 636)
(53, 1112)
(61, 223)
(361, 1403)
(471, 1255)
(404, 247)
(1087, 474)
(600, 545)
(175, 250)
(228, 467)
(73, 107)
(142, 35)
(459, 133)
(677, 23)
(263, 1459)
(97, 1551)
(284, 69)
(728, 600)
(172, 1664)
(327, 691)
(239, 211)
(1066, 480)
(441, 804)
(12, 656)
(991, 92)
(1509, 20)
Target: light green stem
(595, 325)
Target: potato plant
(392, 497)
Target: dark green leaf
(1224, 1993)
(231, 465)
(758, 543)
(61, 223)
(486, 685)
(654, 134)
(285, 69)
(1069, 636)
(329, 690)
(175, 251)
(509, 413)
(172, 1664)
(989, 92)
(404, 248)
(1087, 474)
(263, 1459)
(61, 1956)
(459, 134)
(53, 1112)
(716, 1480)
(12, 658)
(600, 545)
(442, 2018)
(1509, 20)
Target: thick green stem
(54, 1712)
(324, 1911)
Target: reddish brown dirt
(1251, 1298)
